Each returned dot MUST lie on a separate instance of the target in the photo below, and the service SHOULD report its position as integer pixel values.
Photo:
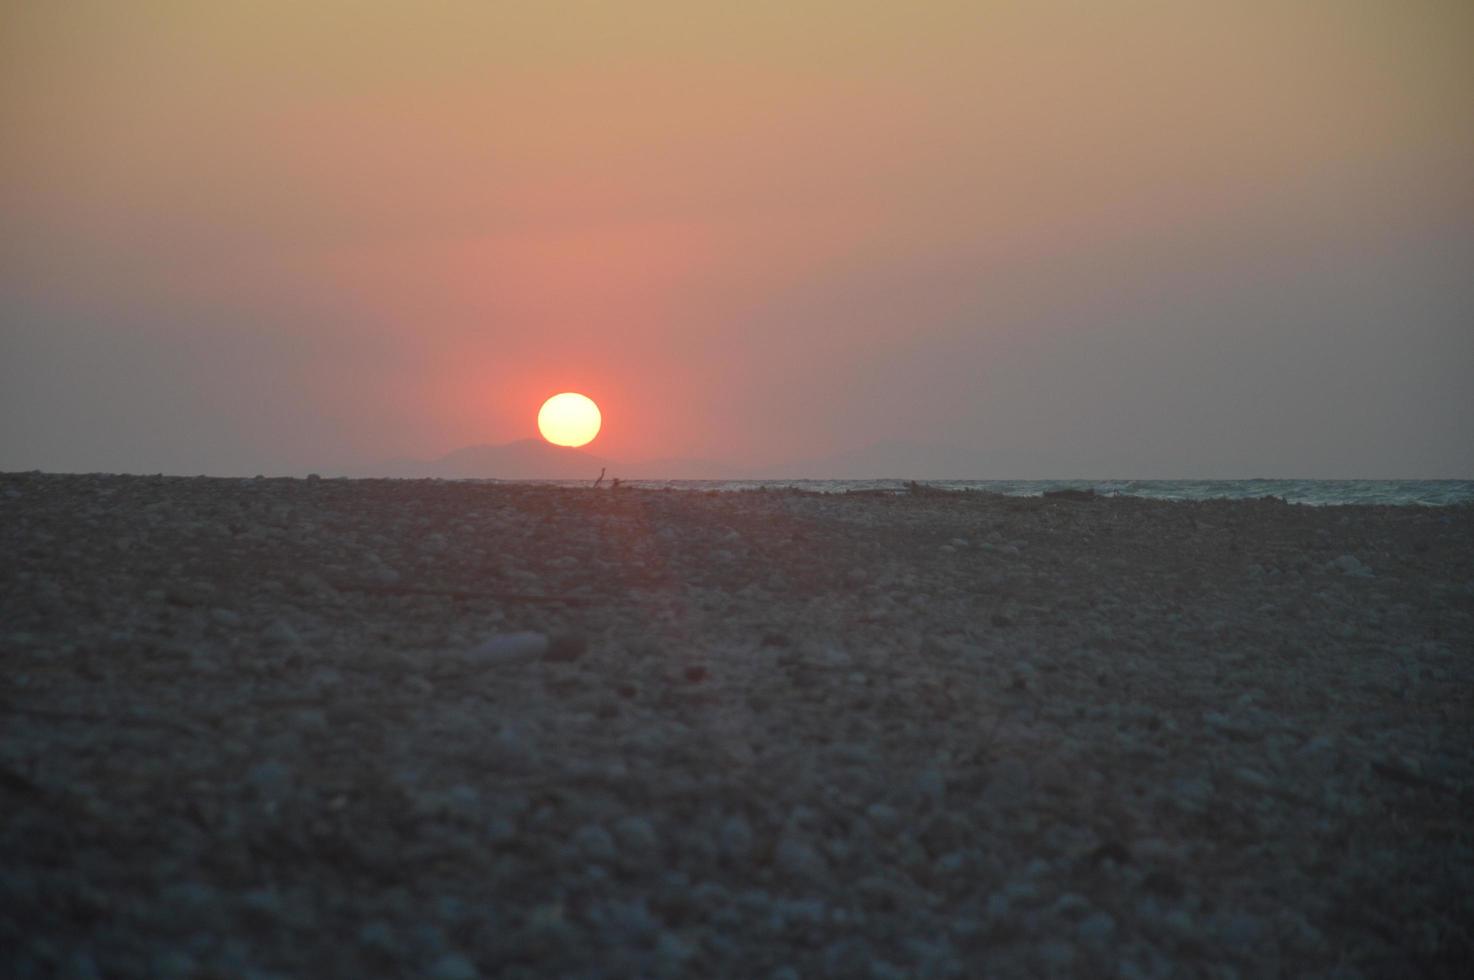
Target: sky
(1179, 239)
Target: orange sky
(1189, 236)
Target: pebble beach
(348, 728)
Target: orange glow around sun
(569, 419)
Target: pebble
(565, 647)
(508, 649)
(272, 778)
(1350, 565)
(280, 634)
(225, 617)
(796, 858)
(191, 594)
(454, 966)
(595, 843)
(1096, 930)
(931, 786)
(736, 838)
(672, 953)
(1057, 955)
(884, 818)
(378, 936)
(637, 836)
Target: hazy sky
(1176, 238)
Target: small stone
(265, 905)
(175, 963)
(797, 859)
(882, 970)
(454, 966)
(1096, 929)
(1071, 904)
(280, 634)
(1350, 565)
(1241, 931)
(636, 834)
(507, 649)
(1251, 778)
(566, 647)
(81, 966)
(190, 594)
(205, 660)
(512, 750)
(271, 778)
(847, 957)
(885, 818)
(931, 786)
(547, 931)
(501, 830)
(1057, 955)
(225, 617)
(951, 863)
(736, 838)
(595, 843)
(672, 952)
(1231, 727)
(311, 585)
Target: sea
(1432, 493)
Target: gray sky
(1069, 240)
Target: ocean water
(1319, 492)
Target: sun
(569, 419)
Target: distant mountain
(901, 460)
(677, 469)
(526, 459)
(534, 459)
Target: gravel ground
(324, 728)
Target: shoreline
(1431, 492)
(286, 725)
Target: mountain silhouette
(905, 460)
(525, 459)
(534, 459)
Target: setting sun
(569, 419)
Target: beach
(276, 727)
